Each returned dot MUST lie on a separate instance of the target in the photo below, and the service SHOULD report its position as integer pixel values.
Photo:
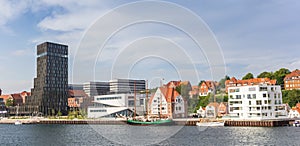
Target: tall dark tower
(50, 92)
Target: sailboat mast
(134, 100)
(146, 97)
(160, 108)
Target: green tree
(9, 102)
(292, 97)
(223, 80)
(201, 82)
(59, 113)
(248, 76)
(280, 74)
(265, 74)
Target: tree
(280, 74)
(201, 82)
(223, 80)
(9, 102)
(265, 74)
(248, 76)
(292, 97)
(59, 113)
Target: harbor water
(43, 134)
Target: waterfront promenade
(183, 122)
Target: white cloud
(10, 10)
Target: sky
(152, 40)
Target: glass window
(264, 95)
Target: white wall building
(167, 102)
(201, 112)
(256, 102)
(121, 104)
(294, 113)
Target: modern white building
(116, 104)
(256, 102)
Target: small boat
(210, 124)
(296, 124)
(154, 122)
(18, 123)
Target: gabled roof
(210, 84)
(295, 73)
(5, 97)
(17, 96)
(25, 93)
(214, 104)
(169, 93)
(296, 109)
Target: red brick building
(79, 99)
(292, 80)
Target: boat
(146, 120)
(296, 124)
(18, 122)
(154, 122)
(210, 124)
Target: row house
(16, 98)
(233, 82)
(292, 80)
(295, 111)
(207, 87)
(213, 110)
(194, 93)
(167, 102)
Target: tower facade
(50, 92)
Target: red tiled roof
(298, 105)
(5, 97)
(169, 91)
(254, 81)
(210, 84)
(17, 96)
(214, 104)
(296, 109)
(295, 73)
(25, 93)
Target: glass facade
(50, 92)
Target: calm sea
(145, 135)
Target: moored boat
(296, 124)
(210, 124)
(18, 122)
(154, 122)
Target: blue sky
(253, 36)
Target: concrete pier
(182, 122)
(267, 123)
